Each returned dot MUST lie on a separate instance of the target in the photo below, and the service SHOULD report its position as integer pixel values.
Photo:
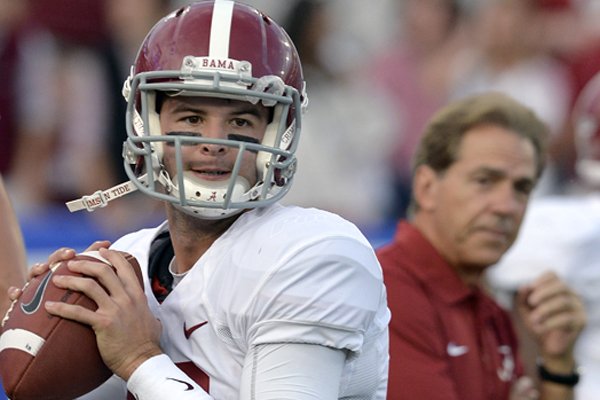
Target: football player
(246, 298)
(561, 234)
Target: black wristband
(568, 380)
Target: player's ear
(425, 187)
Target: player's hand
(554, 315)
(62, 254)
(524, 389)
(127, 332)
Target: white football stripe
(21, 339)
(95, 254)
(220, 29)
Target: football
(43, 356)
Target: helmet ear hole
(278, 177)
(282, 176)
(139, 166)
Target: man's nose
(214, 131)
(507, 201)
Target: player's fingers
(112, 288)
(62, 254)
(85, 284)
(125, 271)
(14, 293)
(37, 269)
(99, 244)
(71, 311)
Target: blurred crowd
(375, 72)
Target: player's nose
(214, 132)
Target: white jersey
(561, 234)
(277, 275)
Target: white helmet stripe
(220, 29)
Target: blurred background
(375, 73)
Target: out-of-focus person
(13, 259)
(415, 71)
(569, 30)
(341, 159)
(12, 16)
(474, 171)
(61, 111)
(508, 54)
(562, 234)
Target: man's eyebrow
(248, 110)
(498, 173)
(489, 171)
(181, 107)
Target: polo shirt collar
(430, 267)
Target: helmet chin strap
(206, 191)
(193, 190)
(196, 190)
(101, 198)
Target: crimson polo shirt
(448, 341)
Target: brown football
(47, 357)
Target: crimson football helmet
(218, 49)
(586, 120)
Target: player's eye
(192, 119)
(240, 122)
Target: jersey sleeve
(309, 370)
(327, 293)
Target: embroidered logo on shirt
(505, 373)
(456, 350)
(189, 386)
(188, 332)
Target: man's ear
(425, 187)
